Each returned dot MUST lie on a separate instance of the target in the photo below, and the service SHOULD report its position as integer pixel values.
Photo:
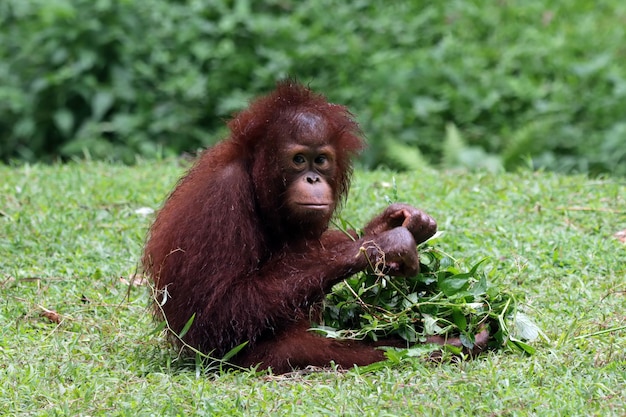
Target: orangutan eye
(321, 160)
(299, 159)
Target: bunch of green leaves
(442, 299)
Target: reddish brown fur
(226, 246)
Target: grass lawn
(75, 340)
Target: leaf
(376, 366)
(525, 328)
(395, 355)
(410, 300)
(233, 351)
(64, 120)
(458, 283)
(475, 267)
(158, 329)
(421, 350)
(430, 325)
(185, 329)
(459, 319)
(402, 156)
(480, 287)
(455, 350)
(453, 145)
(408, 333)
(100, 104)
(454, 284)
(524, 347)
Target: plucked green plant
(444, 299)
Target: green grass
(69, 233)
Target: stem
(601, 332)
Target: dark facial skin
(309, 168)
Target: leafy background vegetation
(472, 83)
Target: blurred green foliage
(472, 83)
